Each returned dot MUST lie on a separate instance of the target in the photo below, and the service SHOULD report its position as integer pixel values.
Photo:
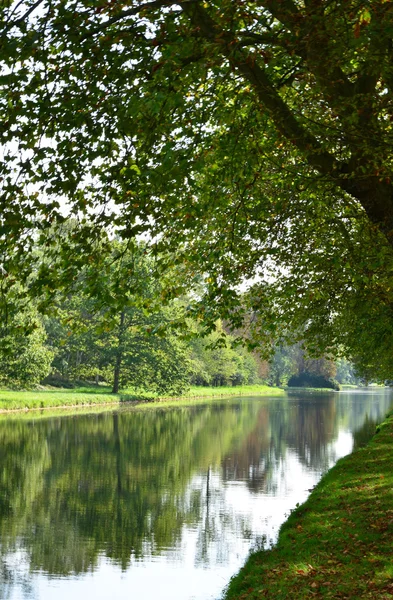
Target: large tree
(252, 137)
(110, 325)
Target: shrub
(306, 379)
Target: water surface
(162, 503)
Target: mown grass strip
(339, 543)
(308, 390)
(43, 399)
(241, 390)
(18, 400)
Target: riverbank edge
(338, 544)
(310, 390)
(26, 401)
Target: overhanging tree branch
(125, 14)
(374, 194)
(311, 41)
(23, 18)
(279, 111)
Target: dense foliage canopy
(250, 140)
(110, 328)
(25, 359)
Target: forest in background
(220, 135)
(118, 326)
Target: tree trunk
(116, 375)
(119, 356)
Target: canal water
(162, 503)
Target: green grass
(349, 386)
(51, 398)
(100, 395)
(339, 543)
(309, 390)
(244, 390)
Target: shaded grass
(97, 395)
(339, 543)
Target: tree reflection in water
(130, 484)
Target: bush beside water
(306, 379)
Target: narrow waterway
(164, 503)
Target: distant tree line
(116, 324)
(292, 366)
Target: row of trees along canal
(115, 325)
(245, 141)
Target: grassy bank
(339, 543)
(52, 398)
(19, 400)
(241, 390)
(351, 386)
(309, 390)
